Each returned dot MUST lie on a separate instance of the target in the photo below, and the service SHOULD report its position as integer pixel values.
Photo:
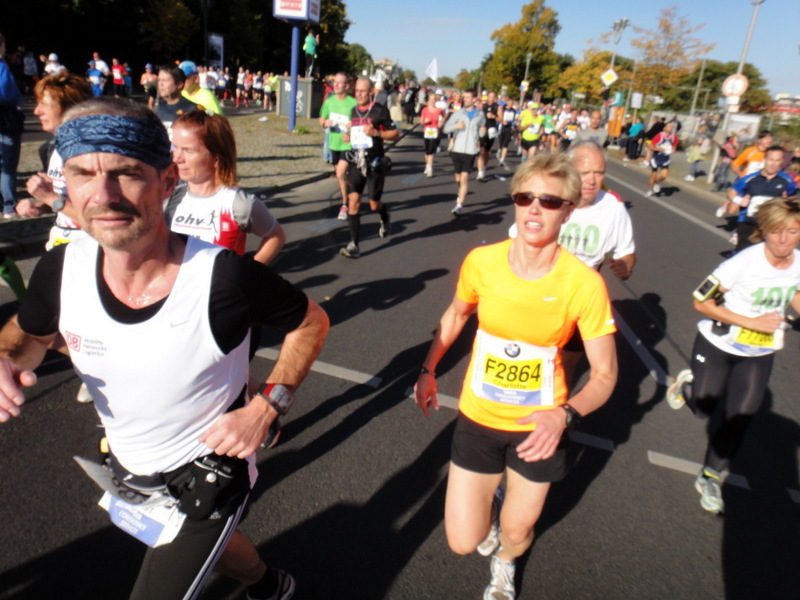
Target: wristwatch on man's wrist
(58, 204)
(278, 396)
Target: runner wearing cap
(195, 93)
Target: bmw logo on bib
(512, 350)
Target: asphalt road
(351, 501)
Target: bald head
(590, 160)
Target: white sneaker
(710, 489)
(501, 586)
(675, 397)
(342, 216)
(657, 188)
(428, 171)
(720, 212)
(648, 193)
(734, 239)
(456, 212)
(626, 159)
(689, 178)
(83, 394)
(481, 175)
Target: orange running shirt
(515, 366)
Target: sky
(458, 34)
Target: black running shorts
(490, 451)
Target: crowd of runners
(121, 260)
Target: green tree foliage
(756, 97)
(358, 59)
(534, 33)
(584, 76)
(333, 25)
(167, 26)
(247, 20)
(668, 52)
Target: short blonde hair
(775, 214)
(555, 165)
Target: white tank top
(157, 385)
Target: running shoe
(350, 251)
(342, 216)
(501, 586)
(689, 178)
(734, 239)
(481, 175)
(492, 541)
(626, 159)
(428, 171)
(710, 492)
(273, 434)
(675, 397)
(83, 394)
(721, 212)
(285, 588)
(649, 194)
(657, 188)
(385, 228)
(456, 212)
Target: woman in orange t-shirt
(513, 411)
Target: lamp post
(715, 160)
(619, 27)
(528, 59)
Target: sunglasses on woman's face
(547, 201)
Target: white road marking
(412, 179)
(710, 228)
(328, 369)
(655, 370)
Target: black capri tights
(729, 389)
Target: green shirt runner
(339, 112)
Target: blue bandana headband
(137, 138)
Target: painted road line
(655, 370)
(700, 223)
(690, 468)
(323, 225)
(328, 369)
(412, 179)
(575, 436)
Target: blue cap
(188, 68)
(148, 66)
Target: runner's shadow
(760, 545)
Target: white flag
(433, 71)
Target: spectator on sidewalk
(635, 137)
(727, 152)
(11, 123)
(694, 156)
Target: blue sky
(458, 34)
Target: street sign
(636, 100)
(735, 85)
(524, 86)
(608, 77)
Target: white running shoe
(456, 212)
(481, 175)
(648, 193)
(721, 212)
(710, 489)
(656, 188)
(501, 586)
(675, 397)
(342, 216)
(83, 394)
(689, 178)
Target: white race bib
(155, 522)
(431, 133)
(512, 372)
(339, 122)
(492, 133)
(358, 139)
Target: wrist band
(278, 396)
(426, 371)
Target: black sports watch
(573, 416)
(278, 396)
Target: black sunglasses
(545, 200)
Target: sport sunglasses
(547, 201)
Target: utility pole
(619, 27)
(697, 88)
(715, 160)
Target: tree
(534, 34)
(333, 25)
(714, 74)
(667, 52)
(584, 76)
(358, 59)
(167, 27)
